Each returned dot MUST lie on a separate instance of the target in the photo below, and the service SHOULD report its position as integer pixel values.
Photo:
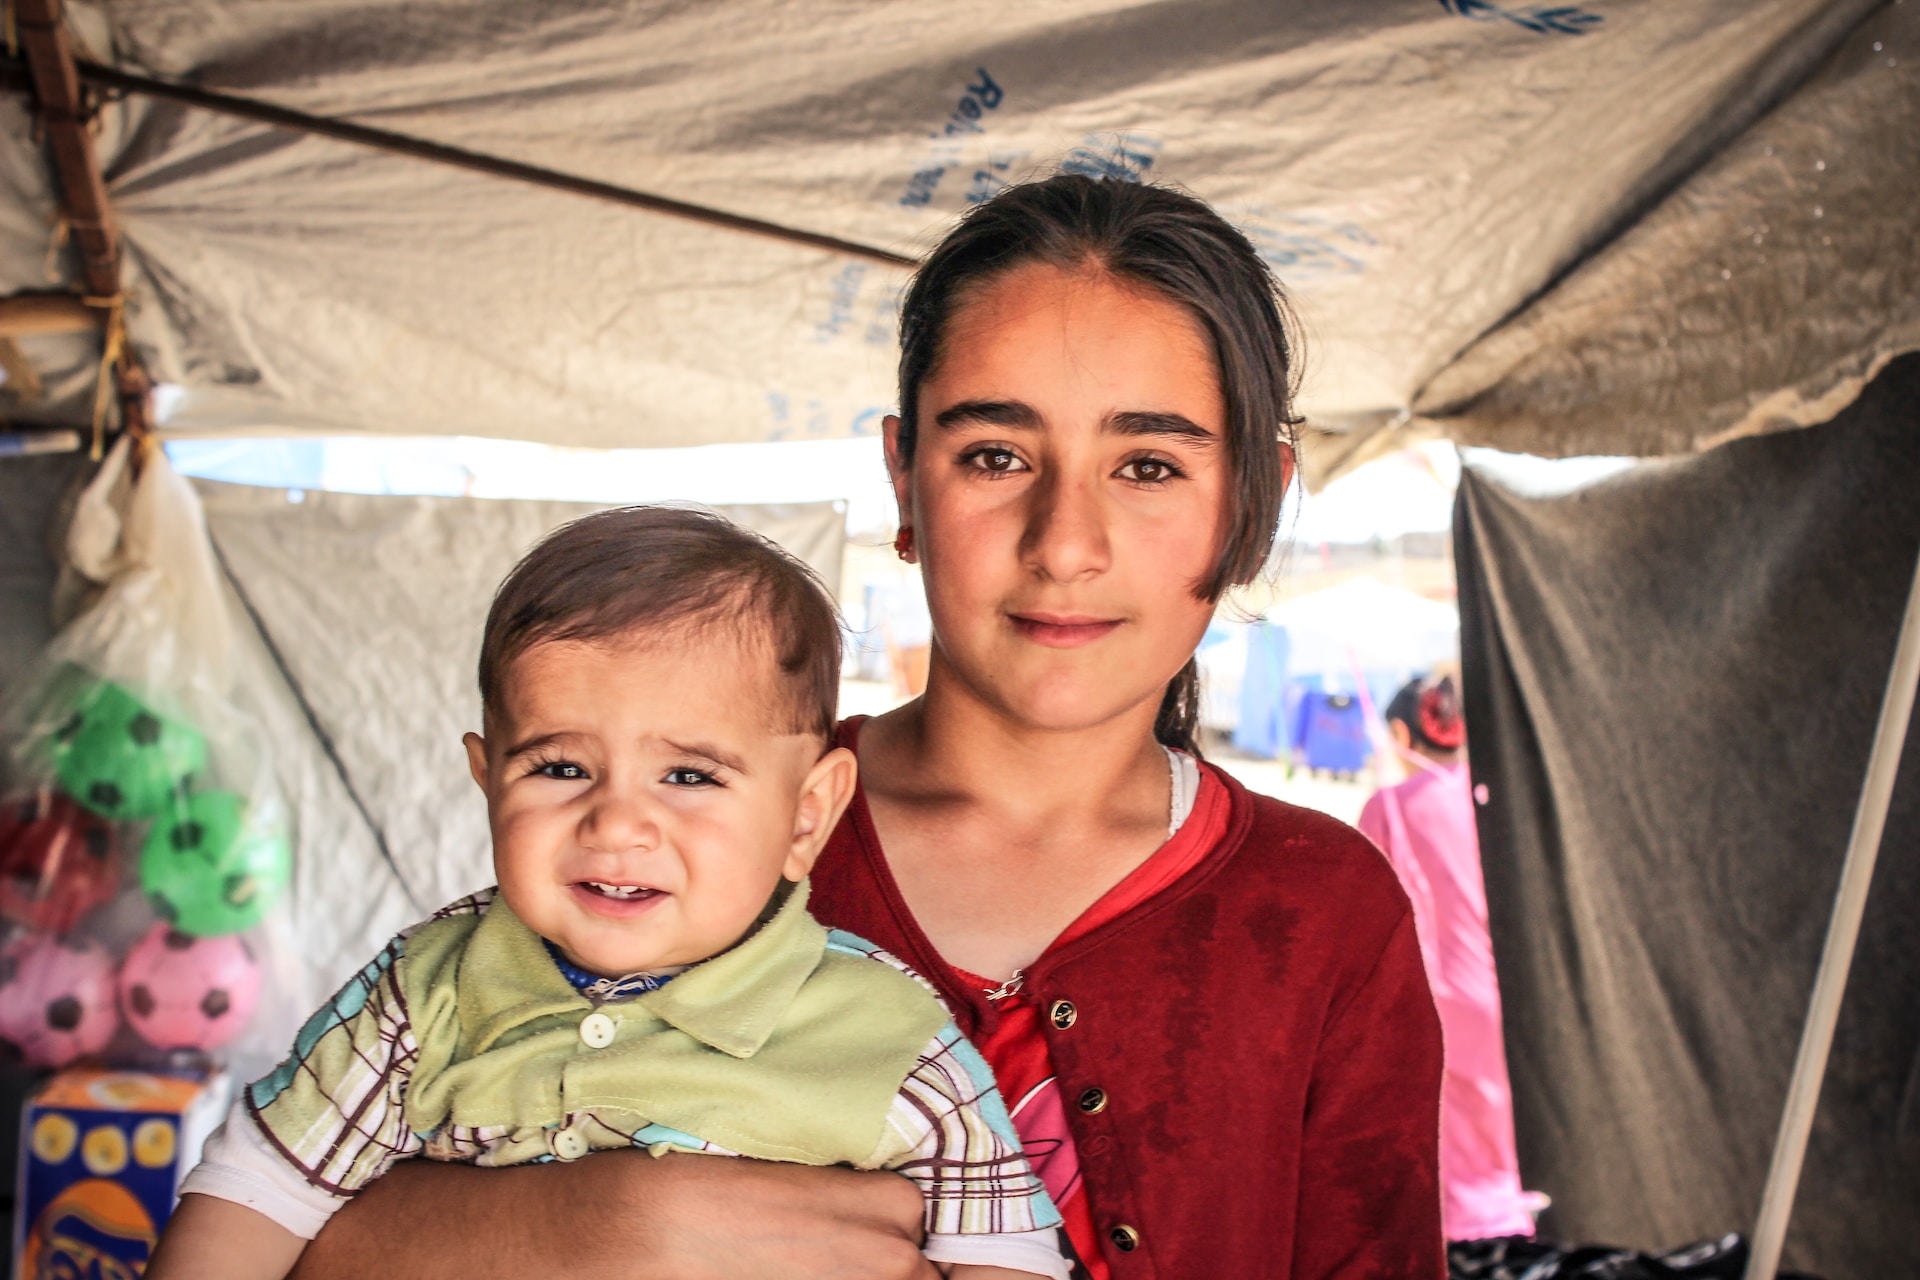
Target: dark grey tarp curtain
(1672, 679)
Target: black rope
(313, 722)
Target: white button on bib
(596, 1031)
(569, 1144)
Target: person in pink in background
(1425, 827)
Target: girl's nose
(1066, 535)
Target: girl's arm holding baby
(626, 1215)
(212, 1239)
(701, 1218)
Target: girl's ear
(897, 470)
(823, 798)
(1288, 465)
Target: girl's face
(1068, 493)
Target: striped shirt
(356, 1094)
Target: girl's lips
(601, 904)
(1062, 631)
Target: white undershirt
(1186, 785)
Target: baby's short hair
(640, 569)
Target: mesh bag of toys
(144, 843)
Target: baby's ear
(823, 798)
(476, 758)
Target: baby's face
(644, 804)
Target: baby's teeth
(616, 890)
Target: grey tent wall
(31, 490)
(1672, 680)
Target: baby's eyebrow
(708, 752)
(534, 744)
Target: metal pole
(1843, 931)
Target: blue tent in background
(1262, 729)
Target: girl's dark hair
(1172, 243)
(1430, 709)
(638, 570)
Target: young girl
(1207, 1008)
(1425, 826)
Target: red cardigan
(1263, 1031)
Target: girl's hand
(626, 1214)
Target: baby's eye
(563, 770)
(1149, 470)
(689, 778)
(996, 459)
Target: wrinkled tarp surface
(1672, 681)
(1646, 224)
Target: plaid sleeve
(334, 1109)
(962, 1152)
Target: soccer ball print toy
(57, 861)
(208, 869)
(56, 998)
(183, 992)
(122, 759)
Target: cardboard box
(102, 1155)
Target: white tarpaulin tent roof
(1611, 226)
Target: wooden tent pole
(65, 116)
(1843, 931)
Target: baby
(658, 692)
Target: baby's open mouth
(623, 892)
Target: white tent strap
(1843, 932)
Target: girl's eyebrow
(991, 413)
(1134, 422)
(1024, 417)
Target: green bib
(779, 1048)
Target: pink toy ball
(183, 992)
(56, 998)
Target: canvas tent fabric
(1516, 181)
(31, 490)
(1672, 679)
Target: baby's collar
(606, 990)
(731, 1002)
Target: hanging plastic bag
(145, 844)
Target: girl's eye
(1149, 470)
(563, 770)
(996, 459)
(689, 778)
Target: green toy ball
(122, 759)
(207, 870)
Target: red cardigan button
(1124, 1238)
(1063, 1014)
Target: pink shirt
(1425, 827)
